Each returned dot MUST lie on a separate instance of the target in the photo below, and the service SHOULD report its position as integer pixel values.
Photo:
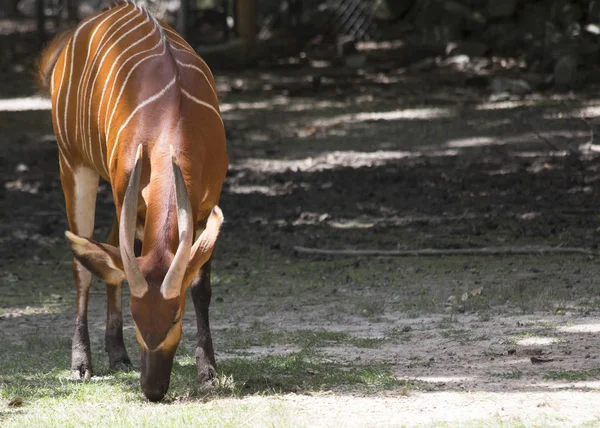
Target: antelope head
(157, 300)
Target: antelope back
(133, 102)
(123, 78)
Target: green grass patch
(35, 373)
(573, 375)
(297, 372)
(300, 372)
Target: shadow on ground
(347, 167)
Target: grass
(35, 374)
(297, 372)
(252, 387)
(257, 279)
(110, 413)
(573, 375)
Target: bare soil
(362, 162)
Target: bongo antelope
(133, 103)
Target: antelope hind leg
(80, 187)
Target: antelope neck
(160, 234)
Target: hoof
(81, 373)
(123, 365)
(206, 374)
(81, 365)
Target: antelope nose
(155, 373)
(155, 394)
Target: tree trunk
(246, 23)
(71, 10)
(40, 22)
(183, 18)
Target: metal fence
(354, 18)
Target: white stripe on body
(107, 82)
(86, 67)
(198, 69)
(102, 44)
(127, 78)
(89, 135)
(139, 107)
(180, 41)
(90, 75)
(202, 103)
(123, 86)
(84, 201)
(73, 43)
(60, 140)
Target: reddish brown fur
(168, 115)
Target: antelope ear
(204, 245)
(102, 260)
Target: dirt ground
(367, 161)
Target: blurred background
(555, 42)
(427, 109)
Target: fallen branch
(545, 140)
(484, 251)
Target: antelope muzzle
(156, 373)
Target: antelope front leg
(205, 355)
(80, 187)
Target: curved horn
(137, 283)
(171, 286)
